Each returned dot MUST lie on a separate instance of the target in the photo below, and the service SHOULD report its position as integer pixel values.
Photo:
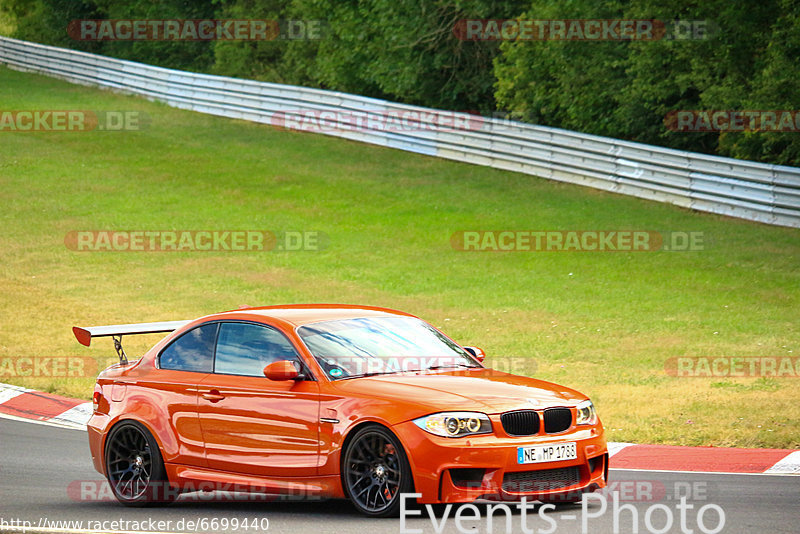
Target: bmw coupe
(333, 401)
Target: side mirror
(478, 353)
(281, 370)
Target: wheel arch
(353, 430)
(143, 409)
(119, 422)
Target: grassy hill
(604, 323)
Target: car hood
(483, 390)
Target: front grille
(557, 420)
(520, 423)
(541, 480)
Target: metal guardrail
(737, 188)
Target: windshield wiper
(450, 366)
(371, 374)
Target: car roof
(302, 314)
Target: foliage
(186, 55)
(747, 61)
(409, 52)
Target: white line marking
(614, 448)
(698, 472)
(790, 465)
(77, 416)
(46, 422)
(8, 392)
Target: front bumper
(465, 469)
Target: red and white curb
(21, 403)
(704, 459)
(24, 403)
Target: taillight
(96, 396)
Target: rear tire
(134, 467)
(375, 472)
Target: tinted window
(193, 351)
(245, 349)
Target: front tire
(375, 472)
(134, 467)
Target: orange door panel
(176, 393)
(258, 426)
(166, 397)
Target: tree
(185, 55)
(46, 21)
(407, 51)
(563, 83)
(774, 87)
(747, 60)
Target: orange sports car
(334, 401)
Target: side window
(245, 349)
(193, 351)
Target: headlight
(586, 414)
(455, 424)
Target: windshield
(381, 345)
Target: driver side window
(245, 349)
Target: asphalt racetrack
(42, 468)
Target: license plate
(547, 453)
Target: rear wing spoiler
(84, 334)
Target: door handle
(213, 396)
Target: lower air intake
(541, 480)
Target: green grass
(7, 24)
(603, 323)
